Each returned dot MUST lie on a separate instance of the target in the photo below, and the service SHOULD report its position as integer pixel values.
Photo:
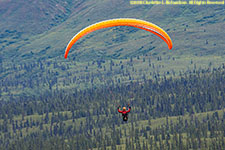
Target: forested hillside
(34, 34)
(186, 112)
(177, 96)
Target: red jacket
(124, 112)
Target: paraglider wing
(141, 24)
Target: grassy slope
(190, 28)
(201, 23)
(154, 123)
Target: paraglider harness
(125, 117)
(124, 113)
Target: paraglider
(124, 112)
(137, 23)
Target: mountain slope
(34, 16)
(31, 57)
(189, 27)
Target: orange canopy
(141, 24)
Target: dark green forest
(182, 112)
